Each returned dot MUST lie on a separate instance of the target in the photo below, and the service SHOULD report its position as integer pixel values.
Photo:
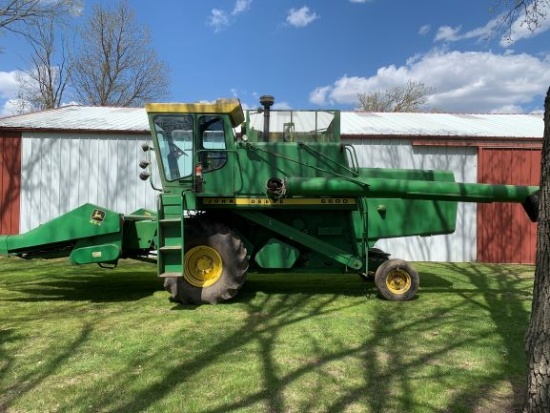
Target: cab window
(175, 144)
(212, 141)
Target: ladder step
(170, 274)
(170, 221)
(173, 248)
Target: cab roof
(231, 107)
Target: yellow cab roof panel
(229, 106)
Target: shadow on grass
(57, 280)
(29, 381)
(382, 381)
(389, 377)
(505, 302)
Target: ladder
(170, 235)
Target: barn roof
(442, 124)
(88, 118)
(111, 119)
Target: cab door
(214, 156)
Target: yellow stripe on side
(279, 202)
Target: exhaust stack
(266, 101)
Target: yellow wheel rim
(203, 266)
(398, 281)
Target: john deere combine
(272, 191)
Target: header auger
(266, 191)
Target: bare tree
(44, 84)
(531, 14)
(537, 341)
(41, 86)
(409, 98)
(17, 15)
(116, 65)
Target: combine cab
(269, 191)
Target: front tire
(397, 280)
(215, 265)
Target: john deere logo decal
(97, 216)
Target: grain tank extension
(263, 191)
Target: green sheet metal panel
(85, 221)
(277, 254)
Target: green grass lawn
(85, 339)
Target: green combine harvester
(277, 192)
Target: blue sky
(323, 53)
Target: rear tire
(397, 280)
(215, 265)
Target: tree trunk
(537, 340)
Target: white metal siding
(399, 153)
(62, 171)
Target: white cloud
(9, 85)
(282, 106)
(7, 109)
(424, 30)
(220, 19)
(9, 88)
(448, 34)
(319, 96)
(453, 34)
(301, 17)
(508, 109)
(12, 107)
(241, 6)
(462, 81)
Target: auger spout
(407, 189)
